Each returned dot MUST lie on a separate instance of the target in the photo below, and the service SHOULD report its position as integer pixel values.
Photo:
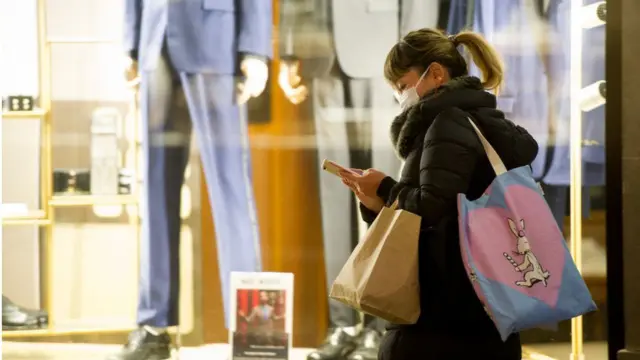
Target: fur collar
(465, 93)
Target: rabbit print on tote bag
(530, 266)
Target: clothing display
(461, 13)
(524, 96)
(352, 107)
(15, 317)
(188, 52)
(558, 173)
(537, 84)
(557, 169)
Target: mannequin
(337, 48)
(535, 95)
(189, 52)
(557, 177)
(460, 16)
(524, 97)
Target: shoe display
(143, 345)
(367, 343)
(15, 317)
(336, 346)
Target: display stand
(45, 216)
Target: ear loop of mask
(424, 74)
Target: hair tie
(452, 38)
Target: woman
(443, 157)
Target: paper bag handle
(494, 159)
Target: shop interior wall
(95, 259)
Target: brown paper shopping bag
(381, 275)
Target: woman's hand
(374, 203)
(367, 183)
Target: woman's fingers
(349, 184)
(349, 175)
(353, 187)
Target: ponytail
(484, 56)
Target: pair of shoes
(336, 346)
(340, 346)
(15, 317)
(143, 345)
(367, 345)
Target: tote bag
(515, 254)
(381, 275)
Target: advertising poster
(263, 321)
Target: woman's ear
(438, 74)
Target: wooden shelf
(91, 200)
(33, 114)
(35, 217)
(9, 334)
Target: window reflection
(325, 98)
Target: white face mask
(410, 97)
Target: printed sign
(263, 321)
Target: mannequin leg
(166, 138)
(385, 109)
(372, 110)
(558, 199)
(374, 323)
(221, 132)
(336, 202)
(556, 196)
(359, 115)
(335, 198)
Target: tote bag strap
(494, 159)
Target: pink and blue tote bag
(515, 254)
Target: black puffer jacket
(444, 157)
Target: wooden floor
(43, 351)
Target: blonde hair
(420, 48)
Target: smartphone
(333, 168)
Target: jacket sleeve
(418, 14)
(450, 152)
(255, 27)
(305, 34)
(288, 20)
(367, 215)
(132, 22)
